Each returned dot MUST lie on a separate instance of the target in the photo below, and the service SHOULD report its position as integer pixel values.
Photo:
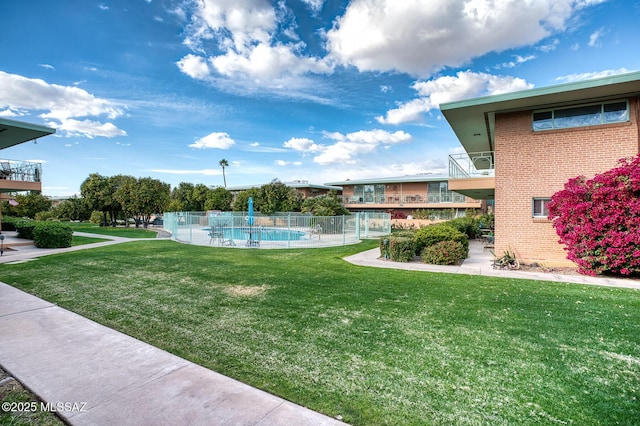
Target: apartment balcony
(18, 176)
(407, 201)
(473, 174)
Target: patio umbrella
(251, 242)
(250, 217)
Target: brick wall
(538, 164)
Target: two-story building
(404, 195)
(306, 188)
(522, 147)
(17, 175)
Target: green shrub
(52, 235)
(401, 249)
(25, 228)
(48, 215)
(467, 225)
(96, 217)
(9, 223)
(444, 253)
(433, 234)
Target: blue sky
(315, 90)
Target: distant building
(404, 195)
(307, 189)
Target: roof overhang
(16, 132)
(473, 120)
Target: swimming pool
(260, 233)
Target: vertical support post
(344, 232)
(289, 230)
(358, 226)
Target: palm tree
(224, 163)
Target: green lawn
(375, 346)
(120, 231)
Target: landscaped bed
(374, 346)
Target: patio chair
(5, 170)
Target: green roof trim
(473, 120)
(16, 132)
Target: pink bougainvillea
(598, 220)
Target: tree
(72, 209)
(218, 199)
(181, 197)
(28, 205)
(224, 163)
(140, 198)
(324, 205)
(278, 197)
(241, 204)
(97, 192)
(598, 220)
(125, 194)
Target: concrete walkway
(480, 262)
(93, 375)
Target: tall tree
(224, 163)
(219, 199)
(324, 205)
(95, 190)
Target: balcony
(415, 201)
(18, 176)
(473, 174)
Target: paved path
(93, 375)
(480, 262)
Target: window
(540, 207)
(580, 116)
(438, 192)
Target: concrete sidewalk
(480, 262)
(93, 375)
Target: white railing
(25, 171)
(395, 200)
(471, 165)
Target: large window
(438, 192)
(369, 193)
(580, 116)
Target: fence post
(358, 225)
(289, 230)
(344, 232)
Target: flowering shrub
(397, 248)
(598, 220)
(444, 253)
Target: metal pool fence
(283, 230)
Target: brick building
(522, 147)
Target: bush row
(442, 244)
(44, 234)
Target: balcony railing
(403, 199)
(24, 171)
(471, 165)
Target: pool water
(262, 234)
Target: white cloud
(218, 140)
(303, 145)
(88, 128)
(314, 5)
(194, 66)
(348, 146)
(464, 85)
(237, 41)
(594, 37)
(46, 66)
(61, 105)
(287, 163)
(420, 37)
(591, 75)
